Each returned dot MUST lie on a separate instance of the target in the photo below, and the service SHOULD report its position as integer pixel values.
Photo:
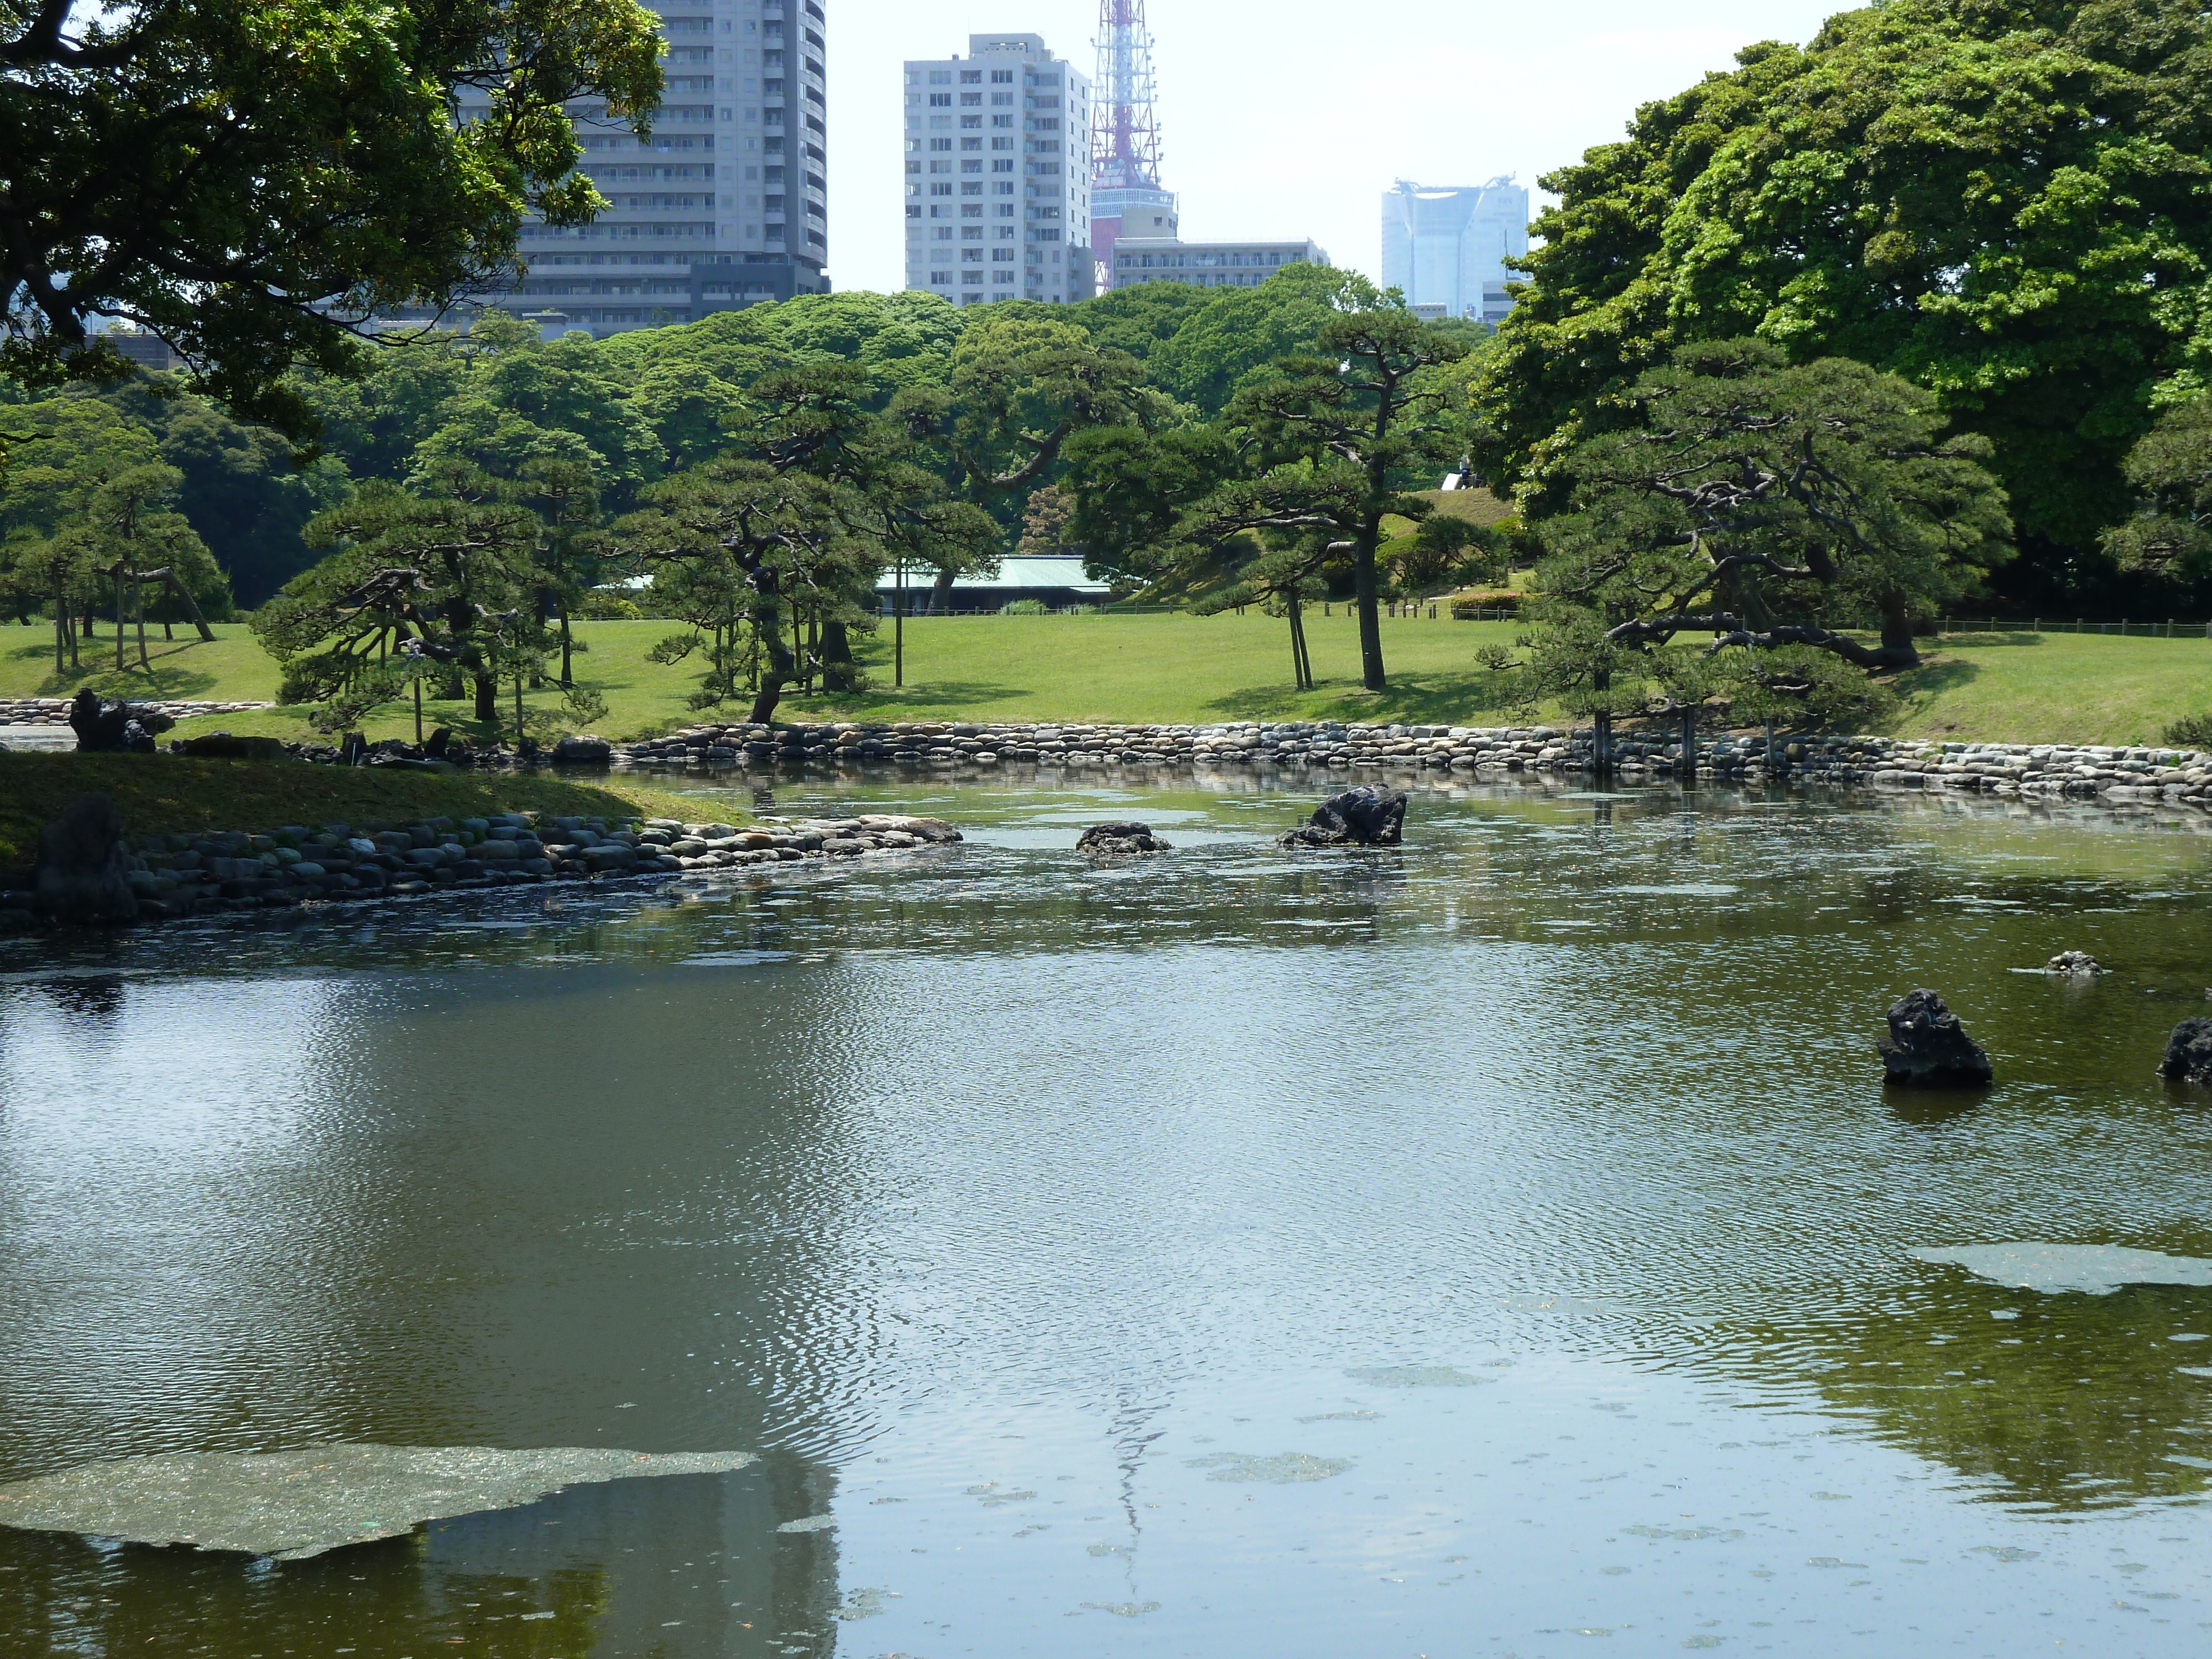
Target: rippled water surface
(1497, 1246)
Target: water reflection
(999, 1195)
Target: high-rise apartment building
(998, 189)
(1448, 247)
(725, 205)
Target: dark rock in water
(113, 728)
(1120, 838)
(1927, 1049)
(221, 745)
(1369, 815)
(2079, 962)
(2189, 1053)
(83, 873)
(583, 751)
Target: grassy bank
(161, 796)
(1176, 668)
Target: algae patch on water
(1415, 1376)
(1280, 1470)
(2095, 1269)
(295, 1504)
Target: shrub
(1025, 608)
(1500, 601)
(2191, 731)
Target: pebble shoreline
(2079, 772)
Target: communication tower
(1125, 195)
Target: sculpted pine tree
(434, 569)
(1328, 436)
(1019, 390)
(1768, 509)
(2171, 470)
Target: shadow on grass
(932, 700)
(1990, 641)
(1918, 689)
(168, 677)
(1412, 698)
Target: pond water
(1502, 1246)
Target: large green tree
(242, 176)
(2007, 202)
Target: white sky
(1290, 118)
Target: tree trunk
(63, 641)
(118, 574)
(191, 605)
(781, 669)
(488, 699)
(1370, 626)
(138, 615)
(1898, 650)
(940, 592)
(838, 672)
(568, 650)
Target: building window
(940, 101)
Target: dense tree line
(1827, 344)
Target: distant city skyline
(1298, 127)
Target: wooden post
(898, 629)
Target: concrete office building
(998, 189)
(1139, 259)
(1448, 247)
(725, 205)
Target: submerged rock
(1120, 838)
(585, 750)
(84, 872)
(2073, 963)
(2094, 1269)
(1927, 1049)
(1369, 815)
(2189, 1053)
(295, 1504)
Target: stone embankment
(54, 711)
(181, 875)
(2082, 772)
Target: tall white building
(998, 186)
(726, 205)
(1448, 247)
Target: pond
(1500, 1246)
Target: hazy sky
(1290, 118)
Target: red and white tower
(1126, 198)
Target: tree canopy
(2007, 202)
(243, 176)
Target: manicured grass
(159, 795)
(1180, 668)
(2056, 688)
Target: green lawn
(1177, 668)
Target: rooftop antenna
(1125, 132)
